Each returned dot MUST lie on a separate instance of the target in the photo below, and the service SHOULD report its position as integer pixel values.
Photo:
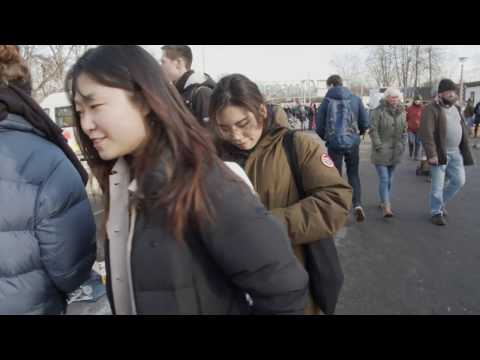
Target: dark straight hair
(335, 80)
(236, 90)
(175, 136)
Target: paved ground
(406, 265)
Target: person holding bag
(252, 133)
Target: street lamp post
(462, 61)
(203, 58)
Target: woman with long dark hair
(184, 234)
(252, 133)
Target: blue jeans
(454, 173)
(385, 177)
(414, 144)
(352, 161)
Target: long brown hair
(173, 130)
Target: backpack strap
(289, 147)
(193, 93)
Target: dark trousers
(352, 161)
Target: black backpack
(193, 91)
(321, 257)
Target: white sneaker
(359, 214)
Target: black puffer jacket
(245, 250)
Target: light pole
(462, 61)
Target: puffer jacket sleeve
(329, 197)
(253, 250)
(363, 121)
(374, 129)
(426, 131)
(65, 228)
(321, 119)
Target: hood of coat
(339, 93)
(394, 110)
(192, 78)
(15, 122)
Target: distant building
(472, 91)
(58, 108)
(321, 87)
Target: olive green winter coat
(388, 132)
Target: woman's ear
(263, 111)
(145, 109)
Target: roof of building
(472, 84)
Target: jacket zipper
(133, 219)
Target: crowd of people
(213, 205)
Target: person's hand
(433, 161)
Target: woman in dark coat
(184, 234)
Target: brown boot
(387, 211)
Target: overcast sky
(297, 62)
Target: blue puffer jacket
(359, 112)
(47, 230)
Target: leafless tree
(406, 65)
(49, 65)
(403, 61)
(380, 64)
(435, 62)
(418, 64)
(350, 66)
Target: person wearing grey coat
(47, 230)
(388, 132)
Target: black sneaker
(439, 220)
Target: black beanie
(446, 85)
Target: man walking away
(341, 120)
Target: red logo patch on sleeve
(327, 161)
